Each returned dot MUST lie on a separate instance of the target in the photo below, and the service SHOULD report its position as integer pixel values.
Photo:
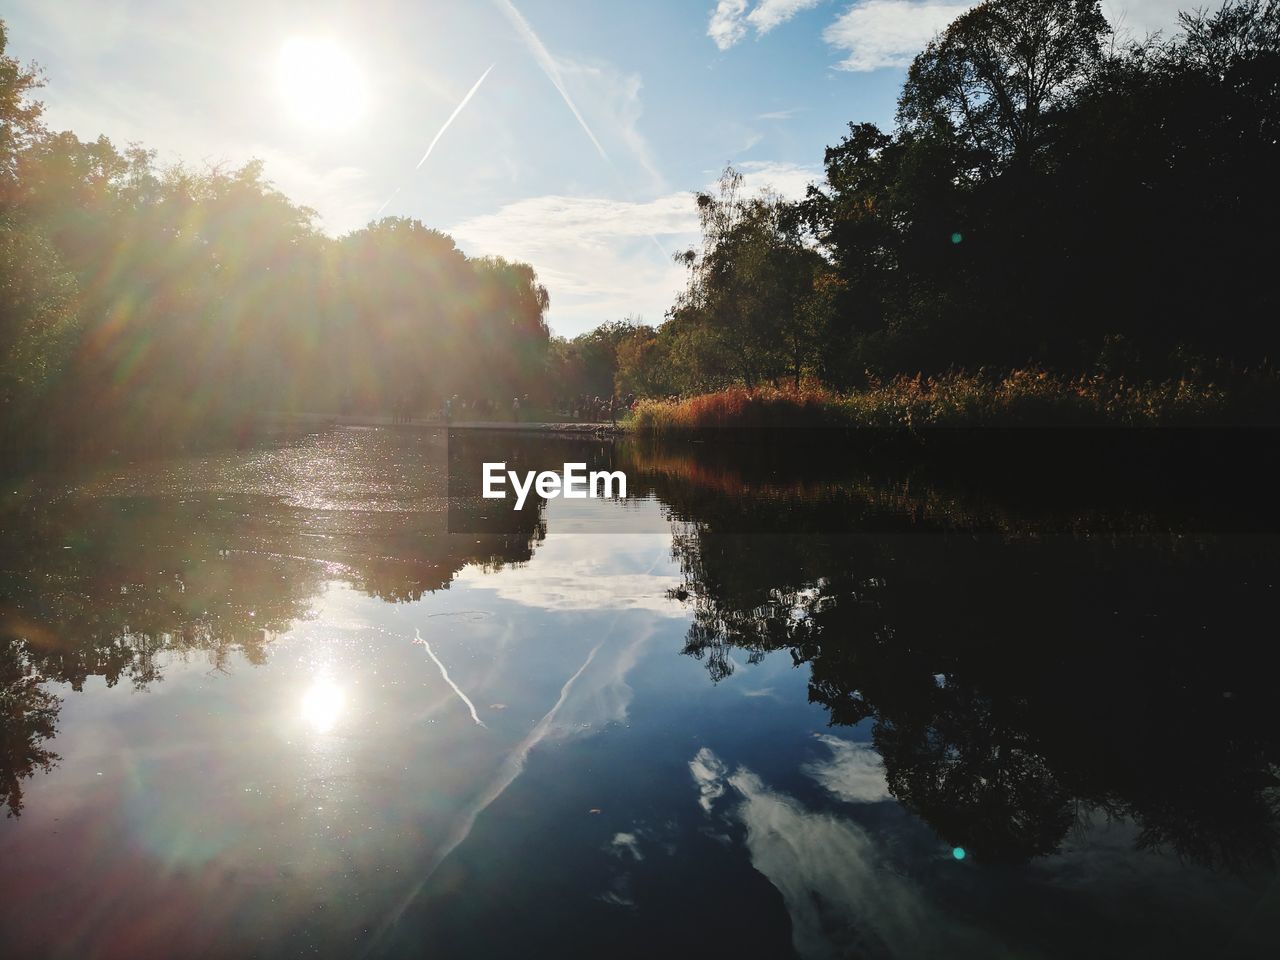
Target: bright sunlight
(320, 84)
(322, 705)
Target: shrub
(1027, 397)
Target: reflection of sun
(322, 705)
(319, 82)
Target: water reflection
(209, 559)
(1016, 680)
(878, 673)
(323, 705)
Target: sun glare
(322, 705)
(320, 84)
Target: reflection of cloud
(855, 771)
(708, 773)
(841, 897)
(626, 843)
(590, 573)
(567, 590)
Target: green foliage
(1050, 192)
(150, 305)
(749, 313)
(991, 85)
(1051, 199)
(37, 314)
(616, 358)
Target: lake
(316, 698)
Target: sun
(320, 83)
(322, 705)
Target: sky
(570, 134)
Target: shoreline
(562, 428)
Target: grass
(1021, 398)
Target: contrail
(386, 201)
(445, 673)
(511, 767)
(436, 139)
(548, 65)
(453, 116)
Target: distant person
(448, 409)
(515, 408)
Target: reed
(1028, 397)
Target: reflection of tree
(28, 718)
(191, 559)
(1015, 680)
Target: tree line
(1052, 196)
(168, 304)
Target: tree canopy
(1052, 196)
(145, 303)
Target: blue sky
(578, 152)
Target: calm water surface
(265, 703)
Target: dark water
(769, 705)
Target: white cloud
(596, 255)
(854, 772)
(602, 258)
(888, 33)
(339, 194)
(730, 20)
(791, 180)
(1137, 18)
(772, 13)
(612, 99)
(726, 27)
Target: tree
(992, 83)
(746, 313)
(20, 115)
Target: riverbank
(562, 428)
(1022, 398)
